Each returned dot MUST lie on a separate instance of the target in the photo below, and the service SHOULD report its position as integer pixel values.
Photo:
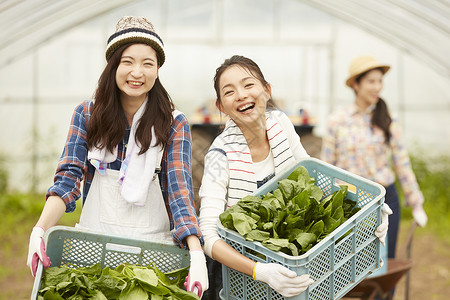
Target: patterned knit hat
(135, 30)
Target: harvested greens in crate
(323, 226)
(86, 254)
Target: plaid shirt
(175, 176)
(353, 144)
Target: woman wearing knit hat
(132, 149)
(364, 139)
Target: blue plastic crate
(72, 247)
(337, 263)
(384, 257)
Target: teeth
(134, 83)
(245, 106)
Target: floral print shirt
(352, 143)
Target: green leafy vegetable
(124, 282)
(292, 218)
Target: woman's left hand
(383, 228)
(198, 273)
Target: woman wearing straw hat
(364, 139)
(132, 149)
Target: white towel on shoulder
(136, 172)
(242, 171)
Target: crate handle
(123, 248)
(351, 187)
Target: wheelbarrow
(381, 286)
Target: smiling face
(243, 97)
(137, 72)
(368, 88)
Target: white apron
(107, 212)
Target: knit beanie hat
(135, 30)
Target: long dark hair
(107, 124)
(242, 61)
(381, 117)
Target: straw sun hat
(361, 65)
(130, 29)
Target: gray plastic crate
(337, 263)
(72, 247)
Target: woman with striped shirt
(255, 145)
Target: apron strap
(158, 162)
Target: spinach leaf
(279, 195)
(288, 189)
(317, 228)
(276, 244)
(273, 201)
(257, 235)
(135, 292)
(267, 210)
(147, 276)
(306, 238)
(315, 192)
(243, 223)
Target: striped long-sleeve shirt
(218, 176)
(175, 176)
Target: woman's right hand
(36, 250)
(197, 279)
(281, 279)
(53, 210)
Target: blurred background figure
(364, 139)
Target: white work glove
(281, 279)
(419, 215)
(383, 228)
(36, 250)
(198, 273)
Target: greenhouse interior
(52, 53)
